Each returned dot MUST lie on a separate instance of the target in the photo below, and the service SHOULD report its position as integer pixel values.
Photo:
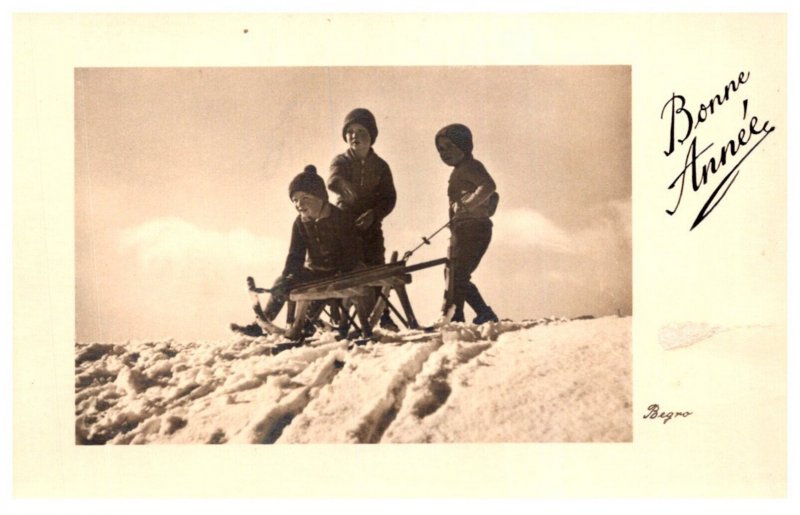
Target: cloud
(549, 268)
(609, 227)
(174, 242)
(522, 227)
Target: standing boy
(322, 245)
(365, 187)
(473, 199)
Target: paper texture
(708, 304)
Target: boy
(472, 196)
(364, 184)
(322, 245)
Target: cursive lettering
(677, 106)
(726, 158)
(654, 412)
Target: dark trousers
(469, 240)
(374, 253)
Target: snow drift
(548, 380)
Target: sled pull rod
(425, 241)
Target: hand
(346, 192)
(462, 204)
(281, 284)
(366, 219)
(466, 200)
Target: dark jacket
(465, 178)
(327, 244)
(371, 181)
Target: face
(358, 139)
(448, 151)
(309, 206)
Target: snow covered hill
(548, 380)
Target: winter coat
(328, 244)
(465, 178)
(371, 181)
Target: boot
(309, 328)
(247, 330)
(486, 316)
(387, 323)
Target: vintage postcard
(539, 255)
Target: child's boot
(387, 323)
(247, 330)
(486, 316)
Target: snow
(547, 380)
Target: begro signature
(654, 412)
(687, 123)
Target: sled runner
(261, 319)
(391, 277)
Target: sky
(182, 176)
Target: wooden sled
(391, 277)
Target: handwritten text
(654, 412)
(726, 158)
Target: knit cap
(309, 182)
(459, 134)
(364, 117)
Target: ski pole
(425, 241)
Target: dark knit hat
(364, 117)
(459, 134)
(309, 182)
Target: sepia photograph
(387, 254)
(533, 255)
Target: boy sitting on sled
(324, 242)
